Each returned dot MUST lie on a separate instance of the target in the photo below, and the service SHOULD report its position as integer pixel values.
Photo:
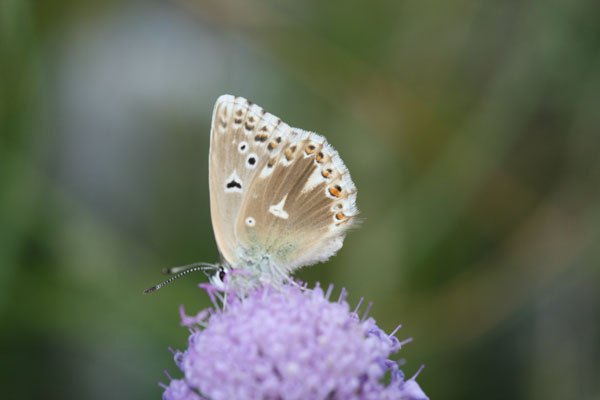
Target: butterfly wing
(276, 191)
(228, 176)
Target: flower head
(289, 343)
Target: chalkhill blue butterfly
(280, 198)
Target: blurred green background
(471, 130)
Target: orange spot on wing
(340, 216)
(320, 157)
(261, 137)
(310, 149)
(335, 191)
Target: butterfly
(280, 197)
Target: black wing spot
(234, 184)
(252, 161)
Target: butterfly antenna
(176, 270)
(186, 270)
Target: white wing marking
(277, 209)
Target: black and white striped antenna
(181, 271)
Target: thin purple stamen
(364, 317)
(210, 289)
(358, 305)
(329, 290)
(343, 295)
(395, 330)
(417, 373)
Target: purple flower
(288, 343)
(179, 390)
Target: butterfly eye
(221, 274)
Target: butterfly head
(218, 278)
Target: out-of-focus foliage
(471, 130)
